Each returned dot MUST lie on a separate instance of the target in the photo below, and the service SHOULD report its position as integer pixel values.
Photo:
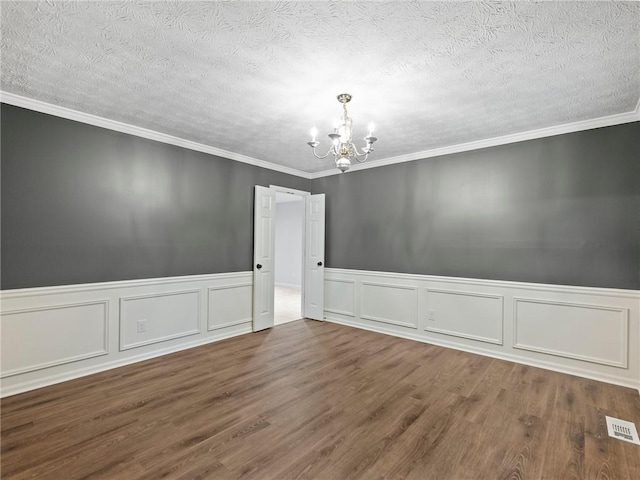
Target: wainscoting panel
(37, 338)
(229, 305)
(165, 316)
(54, 334)
(340, 297)
(390, 303)
(462, 314)
(589, 332)
(607, 327)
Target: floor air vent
(622, 430)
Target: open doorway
(289, 238)
(264, 253)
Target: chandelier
(342, 148)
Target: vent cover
(622, 430)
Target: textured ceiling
(254, 77)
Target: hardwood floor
(320, 401)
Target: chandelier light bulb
(314, 132)
(371, 128)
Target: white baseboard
(587, 332)
(54, 334)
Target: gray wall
(82, 204)
(560, 210)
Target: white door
(313, 292)
(264, 218)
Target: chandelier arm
(366, 155)
(323, 156)
(356, 152)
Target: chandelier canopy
(342, 147)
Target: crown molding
(600, 122)
(43, 107)
(69, 114)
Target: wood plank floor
(320, 401)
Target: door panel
(263, 258)
(313, 302)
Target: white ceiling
(253, 77)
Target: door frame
(300, 193)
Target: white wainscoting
(390, 303)
(606, 342)
(464, 314)
(343, 297)
(166, 316)
(37, 338)
(230, 305)
(53, 334)
(584, 331)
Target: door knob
(319, 264)
(258, 266)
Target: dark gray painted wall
(82, 204)
(560, 210)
